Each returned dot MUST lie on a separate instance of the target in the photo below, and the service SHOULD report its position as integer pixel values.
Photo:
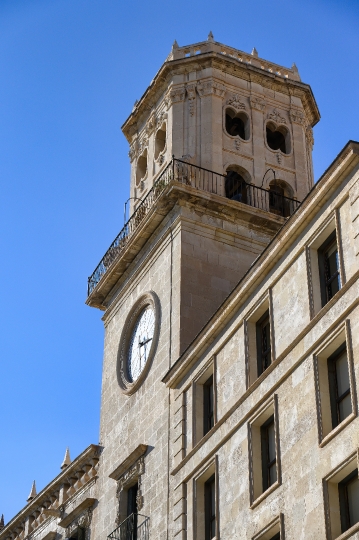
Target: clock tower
(220, 150)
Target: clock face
(140, 343)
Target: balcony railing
(204, 180)
(135, 527)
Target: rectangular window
(264, 453)
(210, 508)
(349, 500)
(264, 355)
(208, 405)
(339, 386)
(328, 260)
(268, 452)
(276, 537)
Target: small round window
(237, 124)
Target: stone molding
(276, 117)
(129, 477)
(83, 520)
(297, 117)
(211, 87)
(235, 101)
(128, 462)
(257, 103)
(175, 95)
(191, 93)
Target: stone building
(230, 304)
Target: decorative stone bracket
(129, 471)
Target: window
(264, 464)
(160, 141)
(268, 451)
(205, 502)
(235, 187)
(264, 357)
(278, 138)
(339, 386)
(132, 520)
(272, 531)
(210, 507)
(141, 167)
(204, 402)
(349, 500)
(328, 260)
(208, 405)
(260, 349)
(276, 537)
(237, 124)
(78, 534)
(335, 385)
(341, 496)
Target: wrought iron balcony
(181, 172)
(135, 527)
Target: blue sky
(71, 71)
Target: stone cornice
(316, 198)
(91, 452)
(128, 462)
(228, 64)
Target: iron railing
(135, 527)
(229, 186)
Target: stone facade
(215, 266)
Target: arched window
(160, 140)
(141, 170)
(235, 187)
(279, 191)
(278, 138)
(237, 124)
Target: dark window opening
(264, 354)
(277, 201)
(210, 508)
(349, 500)
(276, 140)
(328, 259)
(235, 126)
(78, 534)
(132, 512)
(236, 187)
(339, 386)
(275, 537)
(208, 405)
(269, 460)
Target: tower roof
(210, 53)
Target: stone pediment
(128, 462)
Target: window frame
(326, 282)
(208, 405)
(256, 488)
(261, 353)
(335, 399)
(210, 507)
(267, 463)
(198, 424)
(345, 519)
(333, 344)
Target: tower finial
(294, 67)
(175, 45)
(2, 522)
(33, 492)
(254, 52)
(67, 459)
(210, 36)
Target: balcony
(199, 179)
(135, 527)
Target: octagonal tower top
(225, 110)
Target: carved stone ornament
(133, 473)
(276, 117)
(133, 151)
(176, 95)
(297, 117)
(211, 87)
(126, 384)
(160, 118)
(237, 144)
(83, 520)
(191, 94)
(309, 136)
(257, 103)
(151, 124)
(279, 158)
(235, 101)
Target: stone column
(258, 106)
(175, 99)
